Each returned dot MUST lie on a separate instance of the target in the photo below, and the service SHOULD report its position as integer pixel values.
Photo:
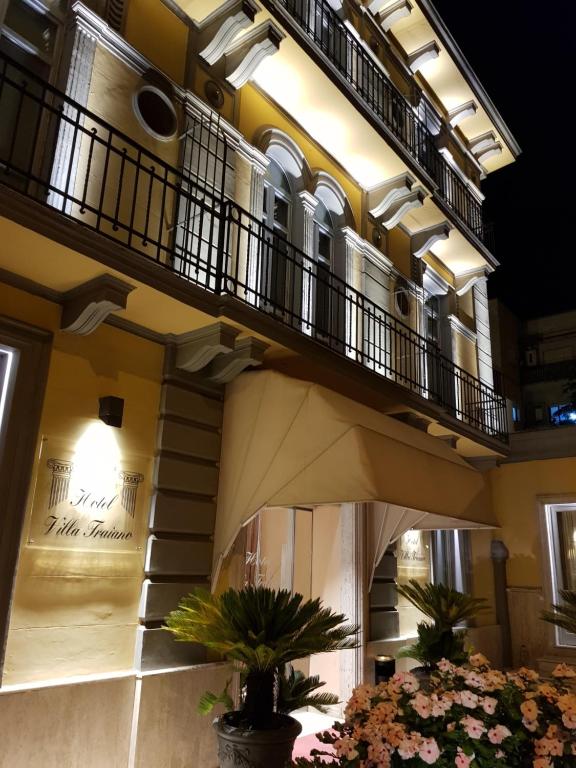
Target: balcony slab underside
(47, 253)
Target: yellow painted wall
(398, 250)
(76, 613)
(465, 354)
(515, 488)
(256, 112)
(439, 267)
(154, 30)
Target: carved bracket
(218, 352)
(242, 58)
(219, 29)
(412, 419)
(400, 207)
(197, 349)
(468, 280)
(387, 17)
(85, 307)
(422, 241)
(248, 353)
(460, 113)
(383, 195)
(423, 55)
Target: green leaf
(209, 700)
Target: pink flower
(469, 700)
(346, 747)
(406, 681)
(563, 670)
(429, 751)
(497, 734)
(421, 704)
(408, 748)
(489, 705)
(462, 759)
(446, 667)
(479, 660)
(473, 727)
(530, 725)
(569, 719)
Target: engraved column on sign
(59, 487)
(130, 483)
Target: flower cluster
(468, 717)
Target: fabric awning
(287, 443)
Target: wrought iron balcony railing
(321, 24)
(66, 157)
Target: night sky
(526, 60)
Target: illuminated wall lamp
(111, 410)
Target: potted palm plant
(439, 639)
(262, 630)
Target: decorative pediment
(86, 307)
(218, 30)
(422, 241)
(242, 58)
(460, 113)
(423, 55)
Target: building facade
(244, 335)
(533, 487)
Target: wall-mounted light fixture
(111, 410)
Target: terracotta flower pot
(240, 747)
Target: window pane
(281, 209)
(34, 27)
(566, 521)
(324, 246)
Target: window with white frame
(7, 367)
(324, 249)
(561, 529)
(277, 215)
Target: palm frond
(445, 606)
(260, 627)
(295, 691)
(563, 615)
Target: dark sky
(524, 54)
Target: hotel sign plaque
(86, 502)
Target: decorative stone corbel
(218, 29)
(485, 146)
(400, 207)
(85, 307)
(197, 349)
(460, 113)
(382, 196)
(248, 353)
(450, 440)
(422, 241)
(423, 55)
(242, 58)
(392, 13)
(484, 140)
(464, 282)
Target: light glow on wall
(96, 460)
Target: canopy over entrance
(289, 443)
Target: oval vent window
(402, 299)
(156, 113)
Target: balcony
(535, 374)
(322, 26)
(59, 154)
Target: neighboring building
(244, 334)
(534, 488)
